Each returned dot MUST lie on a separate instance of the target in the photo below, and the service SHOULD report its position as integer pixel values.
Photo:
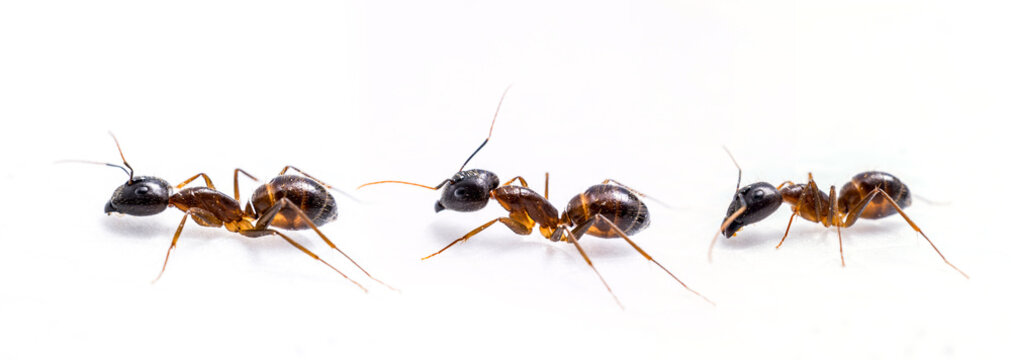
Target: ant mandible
(868, 195)
(288, 202)
(606, 210)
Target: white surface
(643, 92)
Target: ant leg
(600, 219)
(236, 182)
(726, 223)
(812, 190)
(833, 219)
(795, 211)
(520, 178)
(269, 215)
(258, 233)
(574, 241)
(206, 179)
(637, 192)
(818, 206)
(319, 181)
(545, 185)
(785, 183)
(851, 218)
(175, 239)
(515, 226)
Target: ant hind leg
(259, 233)
(601, 220)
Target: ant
(288, 202)
(868, 195)
(606, 210)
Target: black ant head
(759, 199)
(467, 191)
(141, 196)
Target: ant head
(759, 200)
(467, 191)
(141, 196)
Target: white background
(644, 92)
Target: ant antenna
(94, 162)
(485, 142)
(733, 216)
(444, 182)
(735, 164)
(122, 157)
(437, 187)
(128, 172)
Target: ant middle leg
(833, 219)
(284, 203)
(235, 182)
(264, 232)
(518, 227)
(601, 220)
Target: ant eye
(758, 194)
(142, 190)
(462, 193)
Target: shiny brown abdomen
(613, 202)
(863, 183)
(208, 207)
(308, 195)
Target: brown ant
(606, 210)
(288, 202)
(868, 195)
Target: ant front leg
(194, 177)
(258, 233)
(819, 208)
(175, 238)
(852, 216)
(269, 215)
(518, 227)
(600, 220)
(520, 178)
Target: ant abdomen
(613, 202)
(863, 184)
(309, 196)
